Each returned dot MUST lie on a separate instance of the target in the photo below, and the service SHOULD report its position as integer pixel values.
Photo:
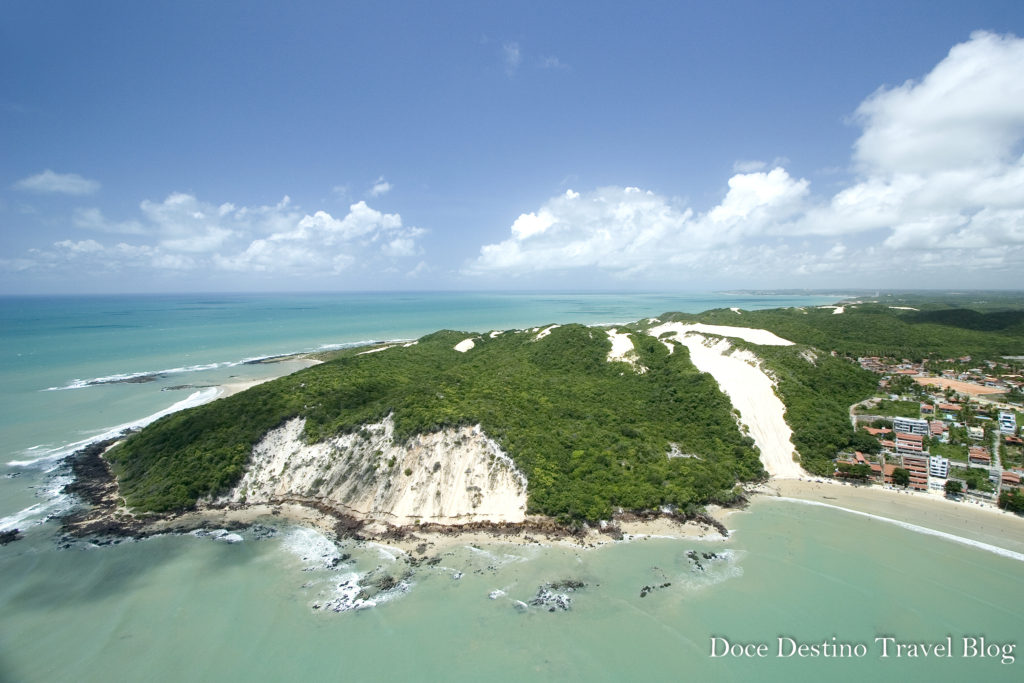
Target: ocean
(255, 605)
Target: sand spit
(751, 391)
(455, 476)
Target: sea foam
(52, 455)
(1013, 555)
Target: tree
(901, 477)
(953, 488)
(865, 443)
(1012, 500)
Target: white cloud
(380, 188)
(80, 247)
(511, 56)
(940, 183)
(554, 63)
(49, 182)
(183, 234)
(749, 166)
(93, 219)
(967, 112)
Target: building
(1011, 480)
(977, 455)
(938, 430)
(1007, 423)
(938, 466)
(976, 433)
(917, 465)
(908, 425)
(909, 443)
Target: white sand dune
(754, 336)
(623, 350)
(749, 388)
(545, 332)
(465, 345)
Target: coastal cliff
(453, 476)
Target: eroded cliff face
(455, 476)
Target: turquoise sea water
(190, 607)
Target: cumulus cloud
(183, 233)
(939, 172)
(49, 182)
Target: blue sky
(201, 146)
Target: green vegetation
(976, 478)
(589, 435)
(897, 409)
(901, 477)
(874, 329)
(817, 396)
(951, 451)
(859, 471)
(1012, 500)
(953, 488)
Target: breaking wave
(48, 455)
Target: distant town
(950, 426)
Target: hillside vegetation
(878, 330)
(589, 434)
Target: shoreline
(101, 516)
(981, 523)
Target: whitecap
(50, 454)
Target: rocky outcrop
(455, 476)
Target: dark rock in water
(646, 590)
(695, 559)
(10, 536)
(12, 475)
(386, 582)
(548, 598)
(567, 585)
(259, 532)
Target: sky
(643, 146)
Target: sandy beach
(983, 523)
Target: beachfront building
(908, 425)
(938, 466)
(917, 466)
